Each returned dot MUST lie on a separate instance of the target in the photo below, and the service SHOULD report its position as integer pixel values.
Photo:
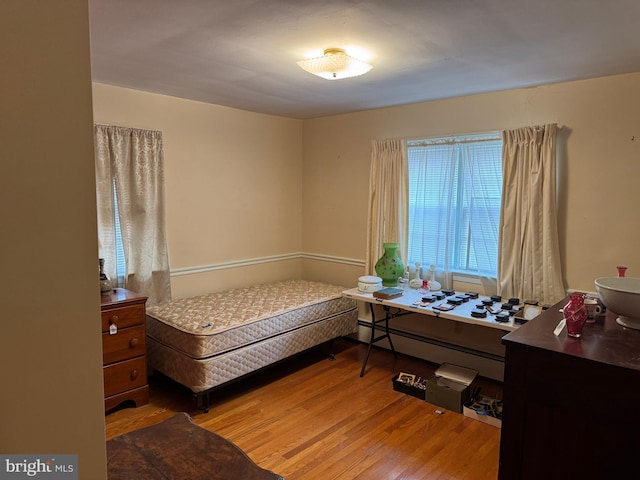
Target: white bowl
(621, 295)
(369, 284)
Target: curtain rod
(437, 142)
(452, 140)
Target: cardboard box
(407, 384)
(485, 409)
(450, 387)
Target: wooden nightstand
(124, 348)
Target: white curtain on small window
(388, 200)
(130, 162)
(529, 253)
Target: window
(130, 161)
(455, 187)
(121, 265)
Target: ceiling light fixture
(334, 65)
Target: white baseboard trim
(176, 272)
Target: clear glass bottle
(435, 285)
(403, 282)
(416, 282)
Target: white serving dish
(369, 284)
(621, 295)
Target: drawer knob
(113, 319)
(134, 374)
(133, 343)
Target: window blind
(455, 189)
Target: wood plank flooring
(313, 418)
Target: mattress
(208, 325)
(200, 375)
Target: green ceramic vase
(389, 267)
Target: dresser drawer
(123, 376)
(123, 317)
(127, 343)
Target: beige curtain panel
(388, 200)
(528, 249)
(129, 164)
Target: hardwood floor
(313, 418)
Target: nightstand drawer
(124, 352)
(127, 343)
(123, 317)
(126, 375)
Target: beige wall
(50, 340)
(599, 167)
(233, 187)
(241, 187)
(245, 186)
(253, 198)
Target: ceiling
(243, 53)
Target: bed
(206, 341)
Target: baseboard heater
(434, 341)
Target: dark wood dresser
(124, 348)
(570, 404)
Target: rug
(179, 449)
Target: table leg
(373, 331)
(387, 317)
(373, 339)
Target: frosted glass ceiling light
(334, 65)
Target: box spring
(205, 341)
